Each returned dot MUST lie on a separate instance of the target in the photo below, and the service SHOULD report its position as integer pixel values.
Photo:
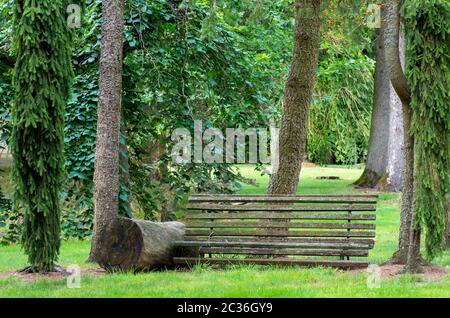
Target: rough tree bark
(106, 175)
(394, 169)
(409, 238)
(297, 97)
(385, 155)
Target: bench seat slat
(277, 261)
(281, 215)
(283, 233)
(288, 195)
(285, 199)
(284, 251)
(273, 207)
(362, 241)
(310, 225)
(268, 244)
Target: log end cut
(141, 245)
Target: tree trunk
(407, 236)
(142, 245)
(377, 155)
(297, 97)
(414, 260)
(385, 155)
(106, 175)
(395, 163)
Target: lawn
(240, 281)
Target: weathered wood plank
(289, 195)
(284, 199)
(281, 215)
(268, 244)
(277, 261)
(265, 207)
(283, 251)
(362, 241)
(322, 225)
(256, 237)
(288, 233)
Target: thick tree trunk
(297, 97)
(377, 155)
(106, 176)
(409, 238)
(385, 155)
(142, 245)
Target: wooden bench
(307, 230)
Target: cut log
(142, 245)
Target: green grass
(241, 281)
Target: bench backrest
(294, 230)
(331, 218)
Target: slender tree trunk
(409, 238)
(406, 213)
(297, 97)
(106, 176)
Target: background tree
(42, 79)
(384, 162)
(106, 176)
(297, 97)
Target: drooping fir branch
(427, 24)
(42, 80)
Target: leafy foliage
(427, 26)
(184, 62)
(10, 222)
(340, 113)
